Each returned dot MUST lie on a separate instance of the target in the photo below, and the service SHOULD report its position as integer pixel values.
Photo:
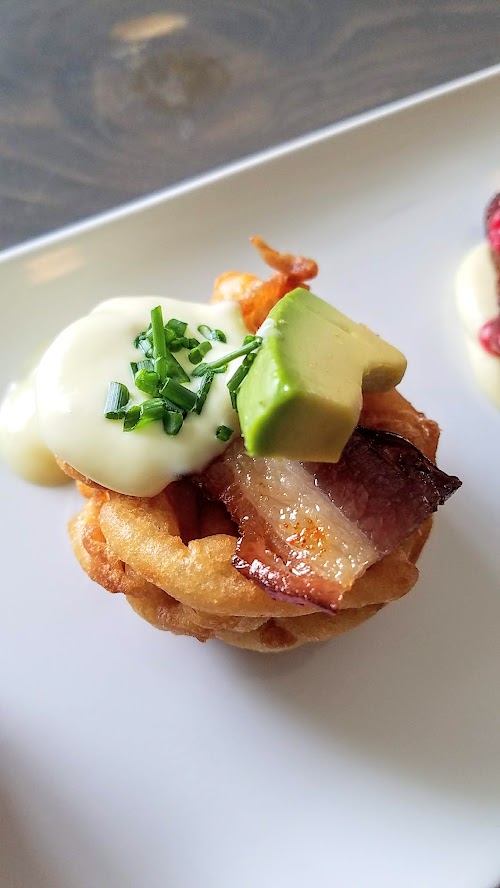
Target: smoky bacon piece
(384, 484)
(256, 296)
(308, 532)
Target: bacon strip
(308, 531)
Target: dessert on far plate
(251, 472)
(478, 302)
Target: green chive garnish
(149, 411)
(214, 335)
(179, 342)
(131, 418)
(223, 433)
(159, 344)
(145, 346)
(148, 381)
(201, 369)
(205, 331)
(179, 327)
(178, 394)
(176, 344)
(135, 366)
(238, 377)
(169, 334)
(117, 398)
(160, 375)
(174, 369)
(198, 353)
(172, 421)
(203, 391)
(161, 367)
(218, 336)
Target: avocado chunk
(302, 397)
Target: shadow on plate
(415, 690)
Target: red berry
(489, 336)
(492, 220)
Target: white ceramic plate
(133, 758)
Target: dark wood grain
(105, 100)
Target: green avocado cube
(302, 397)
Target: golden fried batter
(134, 546)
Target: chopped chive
(196, 354)
(203, 391)
(135, 366)
(151, 411)
(131, 418)
(181, 396)
(250, 337)
(117, 398)
(179, 342)
(159, 344)
(161, 367)
(172, 422)
(146, 364)
(175, 370)
(201, 369)
(176, 344)
(148, 381)
(169, 334)
(145, 346)
(205, 331)
(169, 405)
(214, 335)
(238, 377)
(205, 368)
(179, 327)
(139, 416)
(223, 433)
(218, 336)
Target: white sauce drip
(72, 381)
(476, 296)
(21, 446)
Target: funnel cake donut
(190, 586)
(177, 555)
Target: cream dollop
(476, 296)
(21, 446)
(72, 381)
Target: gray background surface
(105, 100)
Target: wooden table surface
(105, 100)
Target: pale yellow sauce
(476, 296)
(71, 386)
(21, 446)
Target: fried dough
(188, 586)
